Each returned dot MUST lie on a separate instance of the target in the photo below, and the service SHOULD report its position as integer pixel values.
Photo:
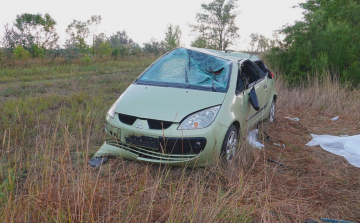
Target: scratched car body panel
(189, 107)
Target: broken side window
(251, 72)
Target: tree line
(326, 39)
(35, 36)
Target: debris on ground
(252, 138)
(334, 220)
(98, 161)
(326, 220)
(276, 162)
(277, 144)
(346, 146)
(335, 118)
(294, 119)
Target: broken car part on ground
(189, 107)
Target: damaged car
(189, 108)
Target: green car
(188, 108)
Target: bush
(119, 51)
(103, 49)
(38, 51)
(20, 53)
(86, 59)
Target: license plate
(143, 141)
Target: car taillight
(272, 75)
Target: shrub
(86, 59)
(20, 53)
(104, 49)
(38, 51)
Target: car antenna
(251, 56)
(213, 83)
(187, 79)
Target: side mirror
(254, 99)
(269, 74)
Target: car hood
(165, 103)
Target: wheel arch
(236, 123)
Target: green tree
(20, 53)
(172, 37)
(135, 50)
(216, 25)
(262, 43)
(78, 32)
(93, 22)
(122, 45)
(104, 49)
(31, 30)
(38, 51)
(327, 38)
(154, 47)
(199, 42)
(119, 51)
(120, 38)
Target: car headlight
(200, 119)
(111, 111)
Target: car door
(242, 105)
(256, 80)
(268, 85)
(244, 109)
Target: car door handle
(265, 87)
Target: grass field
(52, 121)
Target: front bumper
(175, 147)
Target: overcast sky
(146, 19)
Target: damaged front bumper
(168, 146)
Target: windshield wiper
(187, 79)
(189, 62)
(213, 83)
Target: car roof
(234, 56)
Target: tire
(272, 111)
(229, 145)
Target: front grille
(169, 149)
(157, 124)
(153, 124)
(151, 154)
(127, 119)
(168, 145)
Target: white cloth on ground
(346, 146)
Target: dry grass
(44, 153)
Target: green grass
(54, 71)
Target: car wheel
(272, 111)
(230, 143)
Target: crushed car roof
(235, 56)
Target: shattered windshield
(190, 69)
